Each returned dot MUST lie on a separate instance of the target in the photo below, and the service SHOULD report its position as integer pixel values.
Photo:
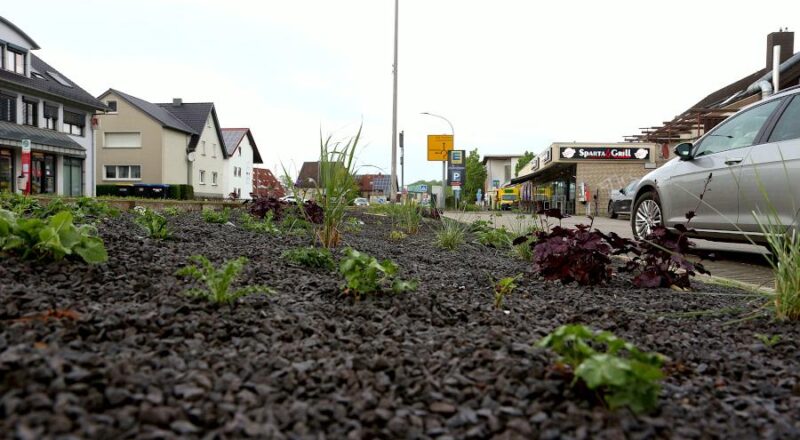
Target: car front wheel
(646, 215)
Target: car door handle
(733, 160)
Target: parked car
(360, 201)
(621, 200)
(748, 164)
(290, 199)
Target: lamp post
(393, 183)
(444, 163)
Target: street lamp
(444, 163)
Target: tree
(476, 176)
(524, 160)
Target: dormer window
(15, 61)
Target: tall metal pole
(444, 162)
(402, 159)
(394, 107)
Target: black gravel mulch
(126, 355)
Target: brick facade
(602, 177)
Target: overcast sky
(511, 75)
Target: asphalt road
(741, 262)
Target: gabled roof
(166, 118)
(21, 33)
(195, 115)
(265, 183)
(232, 137)
(309, 173)
(48, 86)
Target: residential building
(374, 186)
(40, 105)
(164, 143)
(266, 185)
(242, 154)
(499, 172)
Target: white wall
(210, 162)
(245, 162)
(173, 153)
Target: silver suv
(748, 164)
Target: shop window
(73, 177)
(6, 171)
(43, 173)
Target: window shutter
(50, 111)
(74, 119)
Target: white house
(242, 154)
(40, 105)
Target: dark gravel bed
(129, 356)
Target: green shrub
(217, 282)
(450, 234)
(54, 238)
(180, 192)
(220, 217)
(365, 275)
(152, 222)
(310, 257)
(407, 216)
(171, 211)
(621, 374)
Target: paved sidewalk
(737, 261)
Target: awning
(548, 173)
(41, 139)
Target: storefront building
(46, 133)
(577, 178)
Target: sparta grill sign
(604, 153)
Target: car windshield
(631, 186)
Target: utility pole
(394, 107)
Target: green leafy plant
(218, 281)
(504, 287)
(353, 225)
(450, 234)
(154, 223)
(365, 275)
(310, 257)
(768, 341)
(294, 225)
(172, 211)
(55, 237)
(407, 216)
(263, 226)
(397, 235)
(91, 207)
(622, 374)
(220, 217)
(498, 238)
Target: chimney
(785, 40)
(177, 102)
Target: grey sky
(510, 75)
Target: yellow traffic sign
(438, 146)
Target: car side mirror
(622, 191)
(684, 150)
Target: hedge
(176, 192)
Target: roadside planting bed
(118, 351)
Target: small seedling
(218, 281)
(154, 223)
(502, 288)
(450, 234)
(630, 380)
(498, 238)
(768, 341)
(365, 275)
(219, 217)
(397, 235)
(264, 226)
(310, 257)
(353, 225)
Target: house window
(240, 152)
(8, 108)
(50, 116)
(74, 123)
(213, 150)
(123, 140)
(202, 177)
(123, 172)
(30, 112)
(15, 61)
(203, 150)
(214, 178)
(112, 106)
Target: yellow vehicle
(508, 197)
